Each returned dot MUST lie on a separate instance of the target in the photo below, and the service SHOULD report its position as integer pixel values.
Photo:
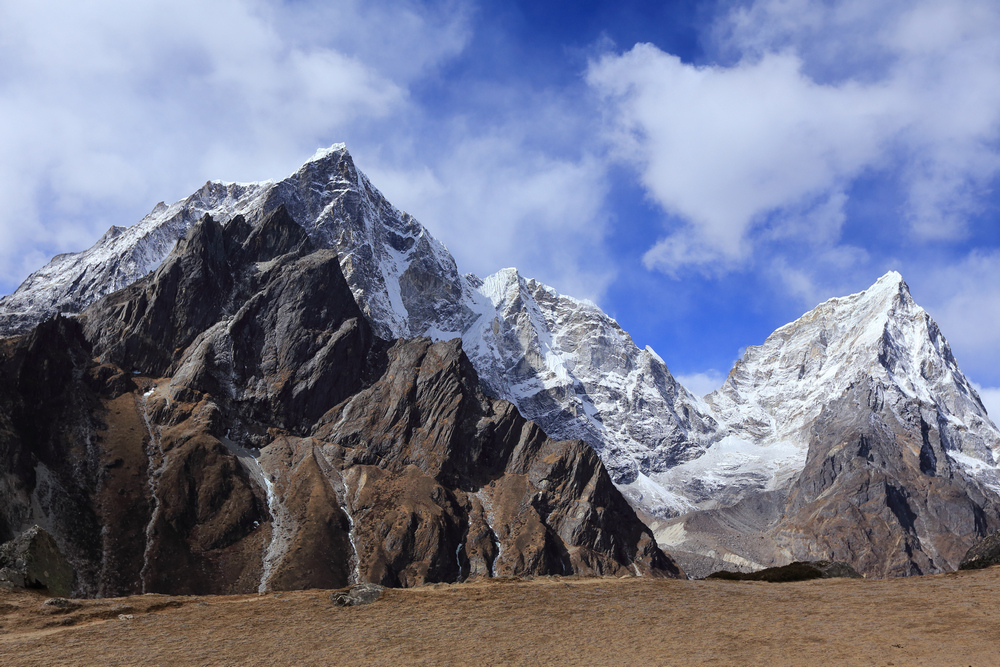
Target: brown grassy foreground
(945, 619)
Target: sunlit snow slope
(775, 393)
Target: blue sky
(705, 171)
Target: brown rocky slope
(231, 423)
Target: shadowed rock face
(50, 414)
(880, 489)
(511, 500)
(231, 423)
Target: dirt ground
(948, 619)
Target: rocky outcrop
(231, 423)
(985, 553)
(797, 571)
(33, 560)
(357, 595)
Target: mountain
(404, 278)
(579, 375)
(563, 362)
(231, 422)
(746, 477)
(850, 434)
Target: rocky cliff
(232, 422)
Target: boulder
(984, 553)
(357, 595)
(33, 560)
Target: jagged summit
(324, 153)
(396, 269)
(778, 388)
(776, 391)
(850, 432)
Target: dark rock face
(33, 560)
(868, 494)
(231, 423)
(797, 571)
(497, 496)
(51, 410)
(985, 553)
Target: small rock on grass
(358, 594)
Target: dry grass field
(948, 619)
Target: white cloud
(818, 94)
(991, 401)
(701, 384)
(107, 107)
(819, 275)
(497, 201)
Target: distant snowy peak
(777, 390)
(576, 372)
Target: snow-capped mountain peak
(775, 393)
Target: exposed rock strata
(883, 491)
(232, 423)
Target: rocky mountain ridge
(849, 431)
(708, 474)
(564, 363)
(232, 423)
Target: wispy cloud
(964, 299)
(498, 201)
(990, 397)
